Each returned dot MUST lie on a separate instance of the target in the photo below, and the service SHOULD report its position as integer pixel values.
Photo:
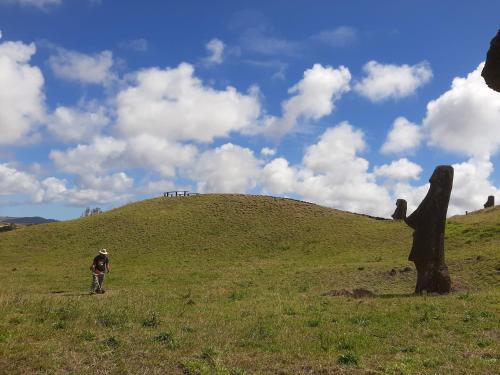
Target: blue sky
(347, 104)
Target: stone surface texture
(491, 70)
(490, 202)
(428, 222)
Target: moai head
(400, 213)
(490, 202)
(491, 70)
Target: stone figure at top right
(491, 70)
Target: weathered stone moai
(429, 221)
(400, 212)
(491, 70)
(490, 202)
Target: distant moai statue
(491, 70)
(429, 221)
(400, 212)
(490, 202)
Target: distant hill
(26, 220)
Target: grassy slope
(227, 283)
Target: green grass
(232, 284)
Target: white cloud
(13, 181)
(471, 185)
(117, 182)
(96, 158)
(388, 81)
(175, 105)
(83, 68)
(42, 4)
(21, 93)
(466, 118)
(334, 175)
(157, 187)
(315, 97)
(278, 177)
(77, 124)
(331, 174)
(226, 169)
(144, 151)
(89, 189)
(338, 37)
(401, 169)
(403, 137)
(266, 151)
(215, 49)
(154, 153)
(335, 153)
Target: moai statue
(491, 70)
(429, 221)
(490, 202)
(400, 213)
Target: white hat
(103, 252)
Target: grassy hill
(233, 284)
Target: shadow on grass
(365, 293)
(397, 295)
(67, 293)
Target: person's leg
(95, 283)
(101, 282)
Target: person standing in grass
(100, 266)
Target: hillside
(32, 220)
(243, 284)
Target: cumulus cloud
(336, 152)
(158, 154)
(157, 187)
(89, 188)
(105, 154)
(84, 68)
(215, 49)
(278, 177)
(266, 151)
(471, 185)
(13, 181)
(226, 169)
(102, 190)
(99, 156)
(175, 105)
(313, 98)
(401, 169)
(22, 100)
(78, 123)
(404, 136)
(466, 118)
(331, 174)
(388, 81)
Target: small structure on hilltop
(400, 213)
(179, 193)
(490, 202)
(428, 221)
(491, 70)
